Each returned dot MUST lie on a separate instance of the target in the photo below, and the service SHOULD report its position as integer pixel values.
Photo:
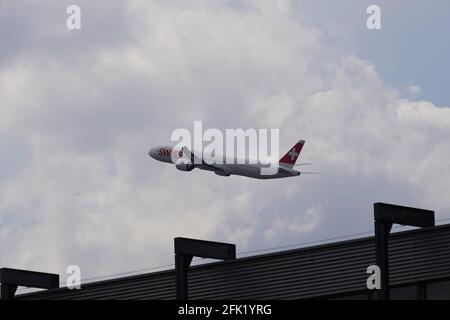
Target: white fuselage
(226, 168)
(249, 170)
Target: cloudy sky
(80, 109)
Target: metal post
(382, 230)
(182, 263)
(7, 291)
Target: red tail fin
(291, 157)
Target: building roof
(317, 271)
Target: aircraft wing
(191, 156)
(200, 162)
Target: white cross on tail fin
(291, 157)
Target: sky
(81, 108)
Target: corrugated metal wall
(418, 255)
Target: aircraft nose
(152, 153)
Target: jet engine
(222, 173)
(183, 166)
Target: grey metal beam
(186, 249)
(10, 279)
(403, 215)
(205, 249)
(385, 216)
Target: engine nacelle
(184, 166)
(222, 173)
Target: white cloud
(414, 90)
(87, 193)
(297, 225)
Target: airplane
(285, 165)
